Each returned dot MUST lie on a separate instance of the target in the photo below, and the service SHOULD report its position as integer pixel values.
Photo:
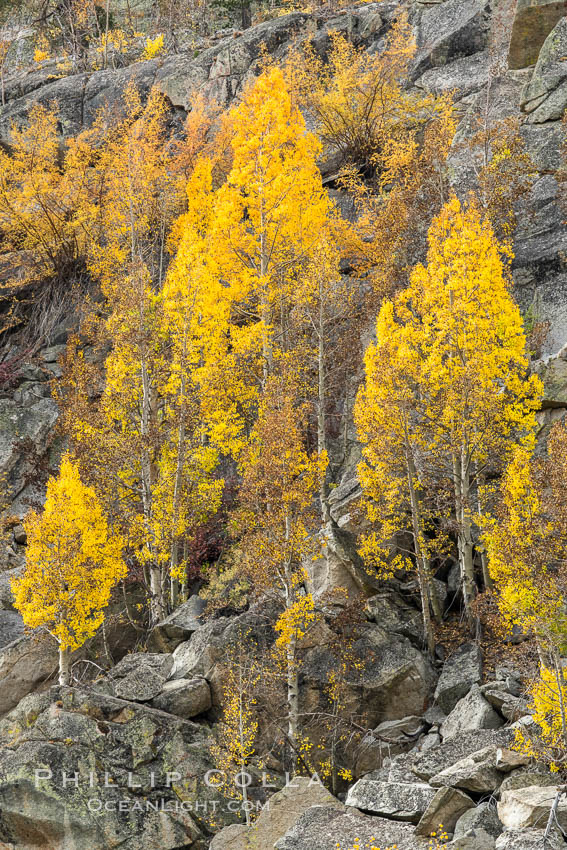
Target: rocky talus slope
(437, 749)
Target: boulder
(324, 827)
(178, 627)
(539, 244)
(553, 372)
(69, 732)
(446, 808)
(450, 30)
(395, 800)
(394, 681)
(388, 739)
(21, 428)
(480, 772)
(140, 676)
(483, 816)
(519, 808)
(461, 78)
(460, 672)
(529, 839)
(526, 776)
(11, 627)
(389, 610)
(20, 535)
(207, 650)
(499, 691)
(429, 763)
(340, 565)
(533, 21)
(470, 713)
(25, 664)
(184, 697)
(545, 96)
(474, 839)
(278, 815)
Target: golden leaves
(73, 561)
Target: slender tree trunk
(174, 556)
(157, 611)
(422, 562)
(486, 577)
(434, 599)
(462, 516)
(291, 662)
(293, 698)
(467, 546)
(321, 416)
(106, 25)
(560, 680)
(265, 306)
(245, 15)
(242, 737)
(64, 665)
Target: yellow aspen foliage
(526, 542)
(276, 508)
(456, 363)
(548, 707)
(237, 731)
(294, 622)
(206, 134)
(409, 189)
(522, 542)
(73, 561)
(394, 482)
(153, 47)
(478, 398)
(200, 310)
(43, 199)
(152, 469)
(138, 196)
(269, 212)
(358, 100)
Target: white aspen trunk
(321, 417)
(560, 680)
(422, 562)
(174, 554)
(467, 545)
(64, 664)
(291, 663)
(241, 733)
(486, 577)
(266, 339)
(157, 611)
(293, 699)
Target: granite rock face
(533, 21)
(109, 746)
(545, 96)
(462, 670)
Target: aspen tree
(478, 400)
(73, 561)
(154, 470)
(279, 485)
(44, 199)
(358, 100)
(323, 331)
(526, 541)
(238, 729)
(270, 211)
(451, 361)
